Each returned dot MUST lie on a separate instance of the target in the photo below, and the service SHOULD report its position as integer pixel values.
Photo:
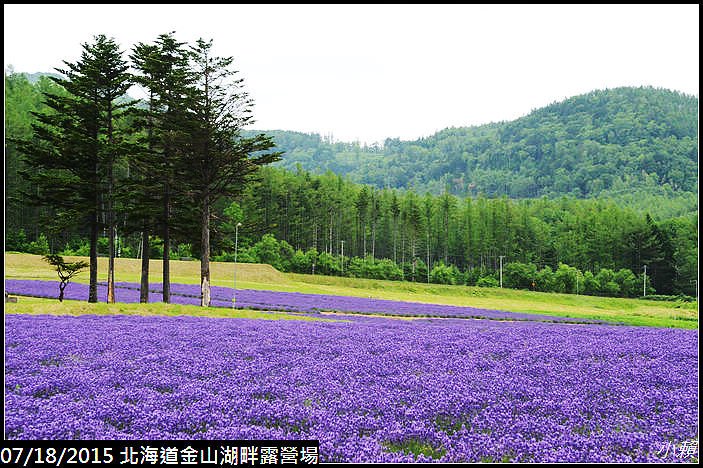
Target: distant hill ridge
(34, 77)
(602, 143)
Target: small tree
(65, 270)
(565, 278)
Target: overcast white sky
(369, 72)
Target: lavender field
(274, 300)
(370, 389)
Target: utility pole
(342, 258)
(501, 269)
(644, 281)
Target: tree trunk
(395, 240)
(205, 254)
(402, 246)
(144, 286)
(62, 286)
(93, 287)
(111, 256)
(167, 248)
(145, 247)
(110, 215)
(330, 241)
(446, 240)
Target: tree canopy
(637, 146)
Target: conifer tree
(163, 71)
(221, 158)
(75, 146)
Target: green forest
(636, 146)
(577, 197)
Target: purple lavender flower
(273, 300)
(369, 390)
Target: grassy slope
(255, 276)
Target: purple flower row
(371, 390)
(274, 300)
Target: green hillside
(607, 143)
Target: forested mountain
(605, 143)
(298, 220)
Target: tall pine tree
(163, 71)
(222, 160)
(75, 146)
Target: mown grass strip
(38, 306)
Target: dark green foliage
(591, 286)
(565, 279)
(38, 247)
(607, 282)
(519, 275)
(446, 274)
(487, 282)
(369, 267)
(22, 98)
(155, 191)
(319, 212)
(637, 146)
(221, 160)
(74, 145)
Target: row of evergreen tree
(328, 225)
(328, 213)
(281, 255)
(92, 157)
(517, 275)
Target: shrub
(16, 241)
(300, 263)
(40, 246)
(487, 282)
(267, 251)
(519, 275)
(420, 273)
(591, 285)
(545, 280)
(627, 281)
(606, 279)
(610, 288)
(565, 279)
(443, 274)
(328, 264)
(184, 250)
(472, 276)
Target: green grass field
(265, 277)
(34, 305)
